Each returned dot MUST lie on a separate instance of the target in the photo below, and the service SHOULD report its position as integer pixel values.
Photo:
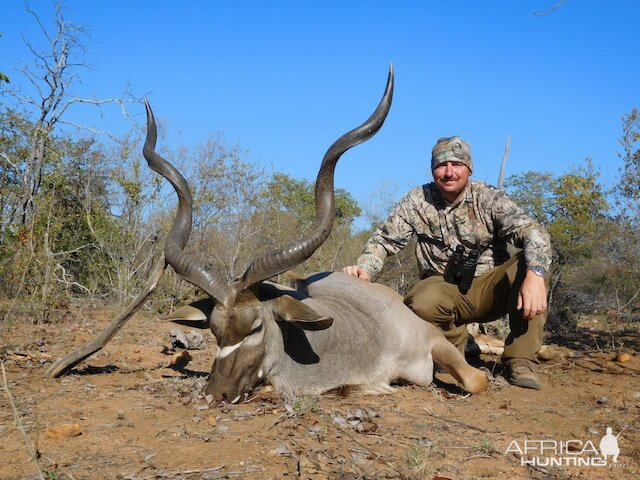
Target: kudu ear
(194, 315)
(291, 310)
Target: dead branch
(503, 164)
(6, 158)
(546, 12)
(604, 366)
(65, 364)
(33, 453)
(629, 302)
(50, 77)
(68, 283)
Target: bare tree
(51, 78)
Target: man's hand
(532, 297)
(357, 272)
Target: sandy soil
(124, 414)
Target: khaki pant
(490, 297)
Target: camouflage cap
(451, 149)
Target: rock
(199, 404)
(623, 357)
(189, 341)
(212, 420)
(178, 339)
(366, 427)
(64, 430)
(282, 450)
(196, 340)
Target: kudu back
(332, 331)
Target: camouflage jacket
(484, 216)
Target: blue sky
(285, 78)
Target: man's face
(451, 178)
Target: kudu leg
(65, 364)
(449, 357)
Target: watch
(538, 270)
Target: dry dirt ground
(132, 417)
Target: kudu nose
(221, 394)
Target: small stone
(281, 450)
(64, 430)
(366, 427)
(199, 404)
(178, 339)
(196, 340)
(338, 420)
(212, 420)
(623, 357)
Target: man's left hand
(532, 297)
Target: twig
(164, 474)
(476, 456)
(595, 341)
(201, 470)
(546, 12)
(376, 455)
(630, 301)
(456, 422)
(55, 464)
(279, 420)
(32, 453)
(602, 366)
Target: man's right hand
(357, 272)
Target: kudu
(332, 331)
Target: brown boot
(521, 373)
